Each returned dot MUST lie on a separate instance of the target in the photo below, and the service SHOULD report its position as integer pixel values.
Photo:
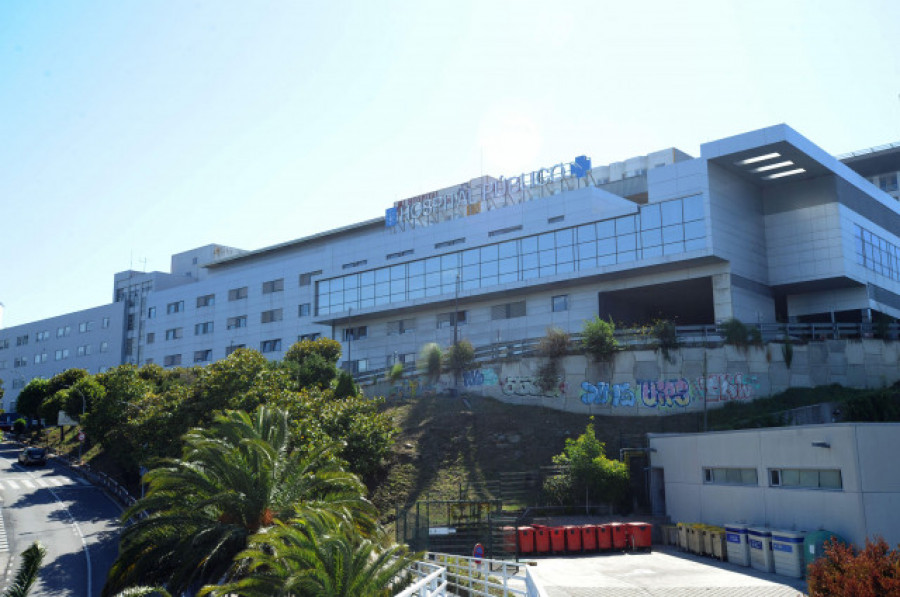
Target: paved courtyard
(666, 572)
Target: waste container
(760, 539)
(705, 543)
(682, 536)
(640, 535)
(737, 545)
(669, 534)
(814, 545)
(604, 537)
(541, 539)
(715, 537)
(573, 538)
(557, 539)
(787, 553)
(510, 535)
(619, 538)
(694, 539)
(589, 537)
(526, 539)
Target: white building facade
(763, 226)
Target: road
(76, 522)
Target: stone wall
(645, 382)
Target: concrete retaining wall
(645, 382)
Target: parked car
(33, 456)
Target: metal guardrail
(687, 335)
(444, 574)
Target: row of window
(778, 477)
(63, 331)
(877, 254)
(59, 355)
(667, 228)
(232, 323)
(886, 182)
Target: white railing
(432, 581)
(445, 575)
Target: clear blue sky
(131, 130)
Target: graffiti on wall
(480, 377)
(671, 393)
(530, 386)
(408, 389)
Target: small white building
(841, 477)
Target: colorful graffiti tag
(529, 386)
(671, 393)
(480, 377)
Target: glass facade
(877, 254)
(667, 228)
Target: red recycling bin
(558, 539)
(573, 538)
(542, 539)
(526, 540)
(589, 537)
(640, 535)
(604, 537)
(618, 531)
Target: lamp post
(456, 333)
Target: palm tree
(28, 571)
(232, 481)
(317, 557)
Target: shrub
(555, 344)
(548, 375)
(666, 336)
(396, 373)
(787, 351)
(345, 386)
(460, 357)
(430, 361)
(738, 334)
(844, 571)
(598, 339)
(19, 426)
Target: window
(21, 340)
(805, 478)
(360, 366)
(85, 326)
(202, 356)
(502, 231)
(106, 321)
(62, 354)
(151, 337)
(306, 279)
(40, 358)
(20, 362)
(449, 243)
(172, 360)
(398, 254)
(730, 476)
(273, 286)
(303, 310)
(236, 322)
(355, 333)
(173, 334)
(84, 350)
(41, 336)
(270, 345)
(18, 384)
(129, 346)
(888, 182)
(310, 337)
(151, 313)
(508, 310)
(176, 307)
(104, 346)
(555, 219)
(271, 316)
(559, 303)
(401, 326)
(230, 349)
(207, 300)
(353, 264)
(61, 332)
(236, 294)
(2, 364)
(448, 320)
(130, 324)
(4, 344)
(203, 328)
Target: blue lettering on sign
(784, 548)
(755, 544)
(580, 166)
(390, 217)
(733, 537)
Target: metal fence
(444, 574)
(711, 335)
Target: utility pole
(456, 332)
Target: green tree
(28, 571)
(32, 396)
(430, 361)
(460, 357)
(313, 362)
(232, 481)
(84, 394)
(598, 338)
(588, 473)
(318, 557)
(345, 386)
